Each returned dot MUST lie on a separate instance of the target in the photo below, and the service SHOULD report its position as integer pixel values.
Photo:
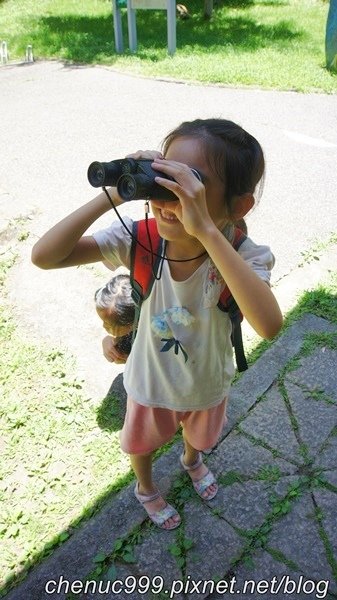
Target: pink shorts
(145, 428)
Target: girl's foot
(161, 514)
(203, 480)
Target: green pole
(331, 37)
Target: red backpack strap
(226, 297)
(227, 304)
(144, 263)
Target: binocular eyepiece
(135, 179)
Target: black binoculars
(135, 179)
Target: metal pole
(171, 26)
(117, 19)
(331, 37)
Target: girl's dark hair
(231, 152)
(116, 296)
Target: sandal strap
(201, 485)
(159, 516)
(194, 465)
(143, 498)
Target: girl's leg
(142, 467)
(191, 456)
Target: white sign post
(168, 5)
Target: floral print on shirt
(162, 326)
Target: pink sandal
(160, 516)
(204, 482)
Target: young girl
(181, 366)
(114, 305)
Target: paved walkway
(270, 532)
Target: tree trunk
(331, 37)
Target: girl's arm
(253, 296)
(64, 245)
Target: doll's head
(114, 305)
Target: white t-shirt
(182, 357)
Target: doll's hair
(231, 152)
(116, 296)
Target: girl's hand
(145, 154)
(111, 353)
(191, 207)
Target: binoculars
(135, 179)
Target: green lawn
(60, 454)
(263, 43)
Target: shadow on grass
(320, 302)
(233, 3)
(36, 559)
(248, 3)
(87, 39)
(111, 413)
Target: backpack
(144, 268)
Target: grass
(263, 43)
(58, 466)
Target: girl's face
(189, 151)
(110, 325)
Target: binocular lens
(127, 187)
(134, 187)
(96, 174)
(105, 173)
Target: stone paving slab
(243, 505)
(297, 537)
(331, 476)
(104, 587)
(327, 459)
(270, 421)
(316, 418)
(154, 567)
(327, 503)
(216, 544)
(318, 371)
(238, 454)
(283, 582)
